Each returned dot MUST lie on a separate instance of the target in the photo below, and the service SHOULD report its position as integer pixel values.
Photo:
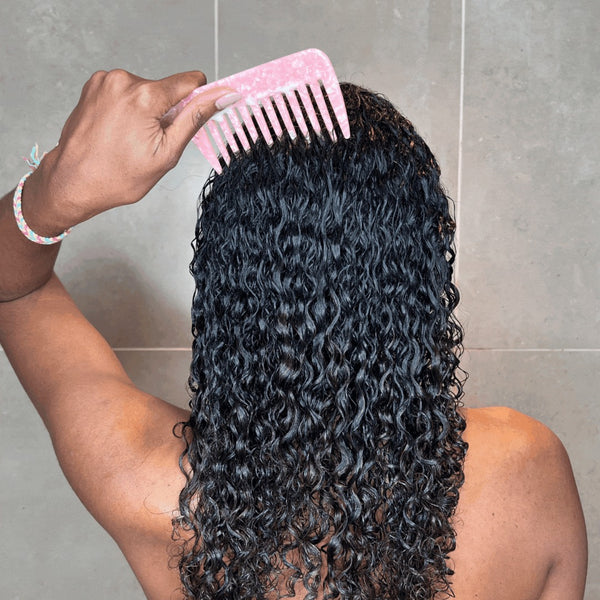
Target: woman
(326, 446)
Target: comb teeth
(269, 92)
(308, 107)
(297, 111)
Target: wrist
(42, 212)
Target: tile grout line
(460, 140)
(475, 349)
(216, 38)
(128, 349)
(467, 349)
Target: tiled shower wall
(507, 94)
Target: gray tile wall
(519, 154)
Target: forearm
(25, 265)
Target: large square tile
(128, 268)
(51, 546)
(529, 252)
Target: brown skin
(520, 528)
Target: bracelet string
(33, 161)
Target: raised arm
(114, 147)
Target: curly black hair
(324, 448)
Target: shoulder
(520, 471)
(521, 450)
(515, 434)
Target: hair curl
(324, 447)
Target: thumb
(194, 111)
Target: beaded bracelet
(33, 163)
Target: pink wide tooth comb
(264, 88)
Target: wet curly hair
(324, 447)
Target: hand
(122, 137)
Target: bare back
(520, 527)
(520, 530)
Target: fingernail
(227, 100)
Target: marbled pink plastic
(264, 86)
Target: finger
(197, 112)
(177, 90)
(177, 87)
(94, 81)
